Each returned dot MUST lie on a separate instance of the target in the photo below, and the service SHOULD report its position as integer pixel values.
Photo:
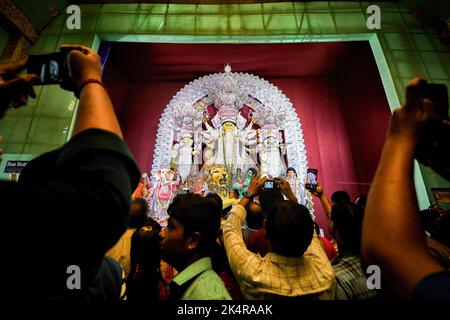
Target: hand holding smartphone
(50, 68)
(311, 179)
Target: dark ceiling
(146, 62)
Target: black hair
(268, 197)
(139, 216)
(291, 169)
(145, 256)
(215, 197)
(340, 196)
(361, 200)
(289, 228)
(197, 214)
(347, 219)
(255, 216)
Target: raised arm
(326, 204)
(95, 109)
(393, 237)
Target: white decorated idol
(220, 125)
(271, 151)
(185, 151)
(228, 141)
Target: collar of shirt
(193, 270)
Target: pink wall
(366, 113)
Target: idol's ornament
(217, 128)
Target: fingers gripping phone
(434, 139)
(438, 94)
(311, 179)
(50, 68)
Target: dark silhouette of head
(192, 229)
(361, 200)
(145, 256)
(268, 197)
(346, 219)
(215, 197)
(289, 228)
(255, 216)
(139, 209)
(340, 196)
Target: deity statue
(183, 150)
(271, 152)
(164, 189)
(226, 142)
(219, 181)
(270, 148)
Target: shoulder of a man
(435, 286)
(89, 149)
(208, 286)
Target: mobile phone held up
(434, 143)
(438, 94)
(311, 179)
(270, 184)
(50, 68)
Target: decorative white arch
(251, 90)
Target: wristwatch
(248, 195)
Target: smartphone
(248, 177)
(311, 179)
(438, 94)
(268, 184)
(50, 68)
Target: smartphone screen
(311, 179)
(268, 185)
(48, 67)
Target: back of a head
(361, 200)
(268, 197)
(347, 220)
(217, 198)
(145, 257)
(145, 247)
(255, 216)
(139, 209)
(340, 196)
(289, 228)
(198, 214)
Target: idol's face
(270, 141)
(169, 176)
(187, 140)
(291, 174)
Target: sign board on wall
(11, 165)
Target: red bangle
(85, 83)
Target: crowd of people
(71, 207)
